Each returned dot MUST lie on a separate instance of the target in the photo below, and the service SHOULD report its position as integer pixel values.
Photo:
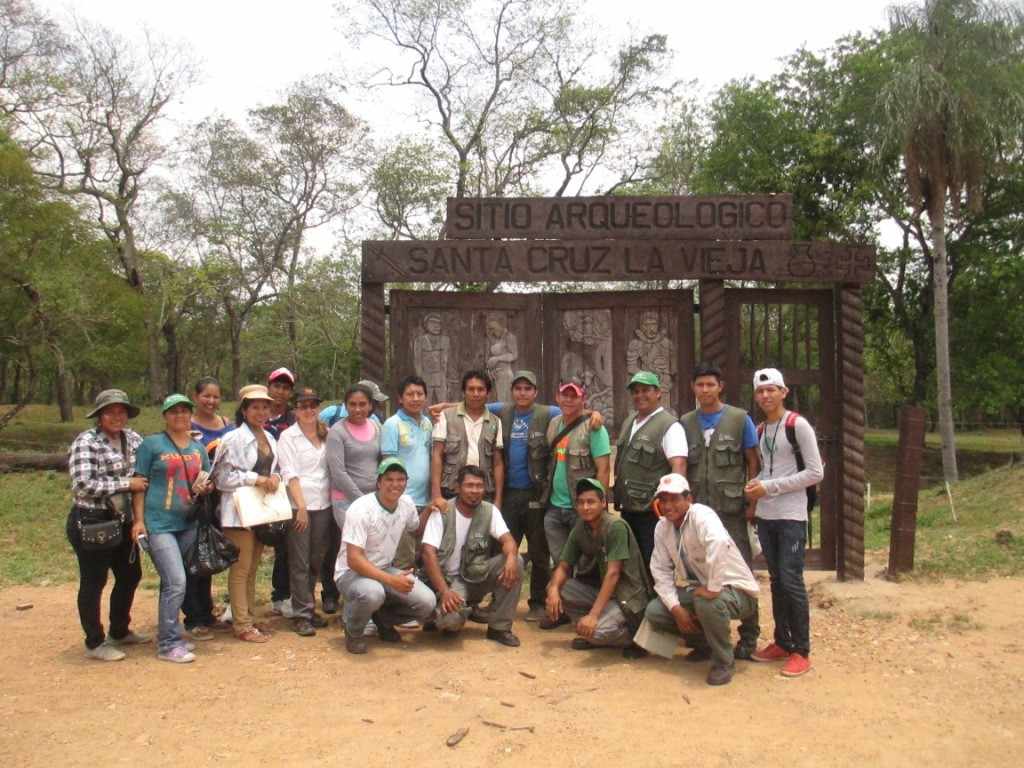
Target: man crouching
(700, 577)
(457, 559)
(606, 598)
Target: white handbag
(256, 506)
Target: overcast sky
(251, 51)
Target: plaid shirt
(98, 469)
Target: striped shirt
(98, 468)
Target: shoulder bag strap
(565, 431)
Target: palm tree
(954, 108)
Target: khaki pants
(242, 576)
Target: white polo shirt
(376, 530)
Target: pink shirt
(364, 432)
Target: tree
(409, 184)
(30, 43)
(97, 141)
(954, 107)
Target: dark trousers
(328, 589)
(642, 524)
(280, 579)
(198, 605)
(783, 543)
(526, 521)
(93, 565)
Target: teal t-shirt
(167, 498)
(599, 446)
(409, 440)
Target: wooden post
(851, 372)
(373, 334)
(713, 328)
(908, 482)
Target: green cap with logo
(176, 399)
(389, 463)
(645, 377)
(590, 484)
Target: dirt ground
(904, 675)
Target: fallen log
(27, 462)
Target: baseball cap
(590, 484)
(573, 383)
(644, 377)
(768, 377)
(379, 396)
(389, 463)
(281, 373)
(529, 376)
(673, 483)
(176, 399)
(306, 393)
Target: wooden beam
(613, 260)
(851, 377)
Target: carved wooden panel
(441, 335)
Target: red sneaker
(795, 665)
(771, 652)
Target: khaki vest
(537, 452)
(717, 472)
(456, 448)
(634, 588)
(578, 461)
(640, 463)
(476, 551)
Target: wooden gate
(792, 330)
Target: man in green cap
(607, 596)
(372, 587)
(651, 444)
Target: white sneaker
(179, 654)
(371, 629)
(226, 616)
(104, 652)
(283, 608)
(411, 624)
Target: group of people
(418, 519)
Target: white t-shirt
(377, 531)
(673, 443)
(473, 429)
(435, 530)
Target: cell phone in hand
(143, 541)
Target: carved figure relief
(502, 352)
(587, 355)
(651, 350)
(430, 352)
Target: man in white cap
(790, 465)
(700, 577)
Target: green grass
(986, 440)
(985, 504)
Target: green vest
(634, 588)
(578, 461)
(717, 472)
(456, 448)
(640, 463)
(537, 451)
(476, 551)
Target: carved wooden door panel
(792, 331)
(603, 338)
(440, 335)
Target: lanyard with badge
(770, 443)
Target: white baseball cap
(768, 377)
(673, 483)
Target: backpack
(791, 417)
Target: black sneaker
(330, 604)
(720, 674)
(503, 636)
(581, 644)
(481, 614)
(318, 621)
(547, 623)
(744, 652)
(354, 644)
(633, 651)
(303, 627)
(388, 634)
(698, 654)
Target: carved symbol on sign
(392, 264)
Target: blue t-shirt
(708, 422)
(332, 414)
(207, 436)
(167, 497)
(410, 441)
(517, 455)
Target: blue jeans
(783, 543)
(167, 551)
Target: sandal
(264, 628)
(252, 635)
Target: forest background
(140, 253)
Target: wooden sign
(731, 217)
(610, 260)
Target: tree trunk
(940, 276)
(155, 362)
(61, 384)
(171, 356)
(236, 361)
(15, 396)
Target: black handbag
(272, 534)
(211, 552)
(108, 534)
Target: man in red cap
(577, 452)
